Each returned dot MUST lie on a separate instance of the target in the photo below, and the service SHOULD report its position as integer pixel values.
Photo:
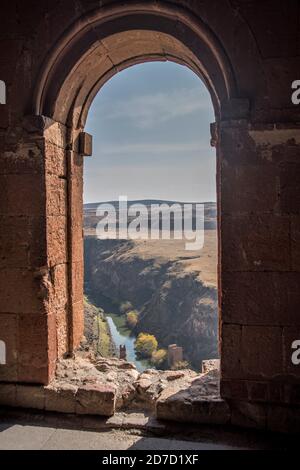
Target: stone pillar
(41, 258)
(259, 262)
(175, 354)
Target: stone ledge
(86, 400)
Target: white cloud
(149, 110)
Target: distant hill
(91, 220)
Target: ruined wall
(258, 185)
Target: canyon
(173, 290)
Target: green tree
(125, 307)
(145, 345)
(159, 357)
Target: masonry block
(33, 349)
(22, 242)
(248, 415)
(96, 399)
(56, 160)
(8, 394)
(261, 352)
(61, 399)
(256, 189)
(28, 396)
(57, 240)
(261, 298)
(255, 243)
(289, 188)
(25, 284)
(231, 341)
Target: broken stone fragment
(209, 365)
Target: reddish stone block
(61, 399)
(55, 134)
(255, 243)
(22, 242)
(57, 240)
(292, 393)
(231, 352)
(56, 204)
(77, 282)
(289, 188)
(249, 415)
(96, 399)
(30, 397)
(258, 391)
(59, 287)
(33, 349)
(238, 148)
(234, 389)
(295, 243)
(24, 158)
(283, 419)
(261, 298)
(261, 352)
(62, 331)
(77, 324)
(290, 335)
(22, 195)
(27, 299)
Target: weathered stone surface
(210, 365)
(196, 402)
(61, 398)
(30, 397)
(248, 415)
(8, 394)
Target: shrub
(125, 307)
(132, 319)
(145, 345)
(159, 357)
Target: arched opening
(87, 56)
(151, 129)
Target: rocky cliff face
(175, 302)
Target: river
(121, 335)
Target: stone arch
(110, 39)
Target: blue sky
(151, 137)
